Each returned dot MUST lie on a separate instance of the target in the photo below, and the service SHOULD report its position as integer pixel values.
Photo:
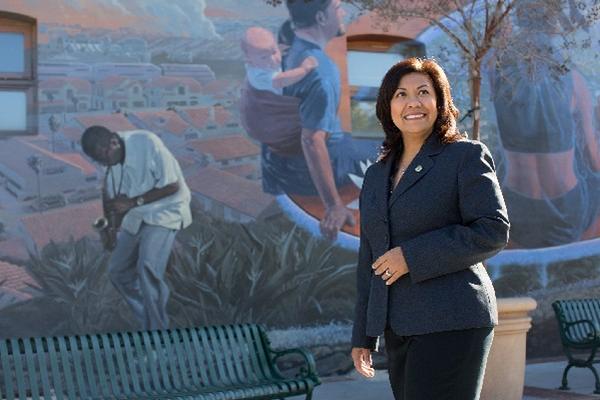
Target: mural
(253, 112)
(540, 117)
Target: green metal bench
(579, 328)
(218, 362)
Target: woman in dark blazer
(431, 212)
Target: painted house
(42, 228)
(173, 91)
(226, 151)
(14, 248)
(114, 122)
(65, 95)
(247, 171)
(139, 71)
(119, 92)
(22, 163)
(213, 119)
(17, 284)
(47, 70)
(224, 91)
(200, 72)
(167, 124)
(201, 118)
(212, 190)
(71, 136)
(225, 118)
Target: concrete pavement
(541, 382)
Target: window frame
(375, 43)
(27, 82)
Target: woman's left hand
(391, 265)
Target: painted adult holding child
(431, 212)
(304, 150)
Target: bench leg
(597, 391)
(309, 394)
(565, 383)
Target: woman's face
(414, 105)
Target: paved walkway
(548, 376)
(541, 381)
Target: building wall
(102, 41)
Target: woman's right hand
(363, 362)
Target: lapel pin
(418, 168)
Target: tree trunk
(475, 78)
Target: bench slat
(87, 352)
(163, 383)
(244, 359)
(31, 371)
(43, 366)
(259, 349)
(220, 357)
(228, 354)
(7, 370)
(170, 355)
(139, 355)
(110, 364)
(212, 362)
(56, 375)
(254, 359)
(121, 373)
(595, 309)
(16, 356)
(189, 356)
(221, 362)
(202, 364)
(149, 363)
(65, 365)
(183, 378)
(78, 366)
(101, 371)
(132, 370)
(582, 313)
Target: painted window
(18, 76)
(369, 58)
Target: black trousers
(438, 366)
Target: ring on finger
(387, 273)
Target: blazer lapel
(418, 168)
(384, 184)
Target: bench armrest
(307, 371)
(591, 337)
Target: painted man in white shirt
(145, 188)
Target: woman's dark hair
(445, 124)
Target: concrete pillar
(505, 371)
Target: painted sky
(184, 18)
(246, 9)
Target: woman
(431, 211)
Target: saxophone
(108, 224)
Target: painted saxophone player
(145, 202)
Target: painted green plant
(268, 272)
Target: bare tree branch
(467, 27)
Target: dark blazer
(448, 215)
